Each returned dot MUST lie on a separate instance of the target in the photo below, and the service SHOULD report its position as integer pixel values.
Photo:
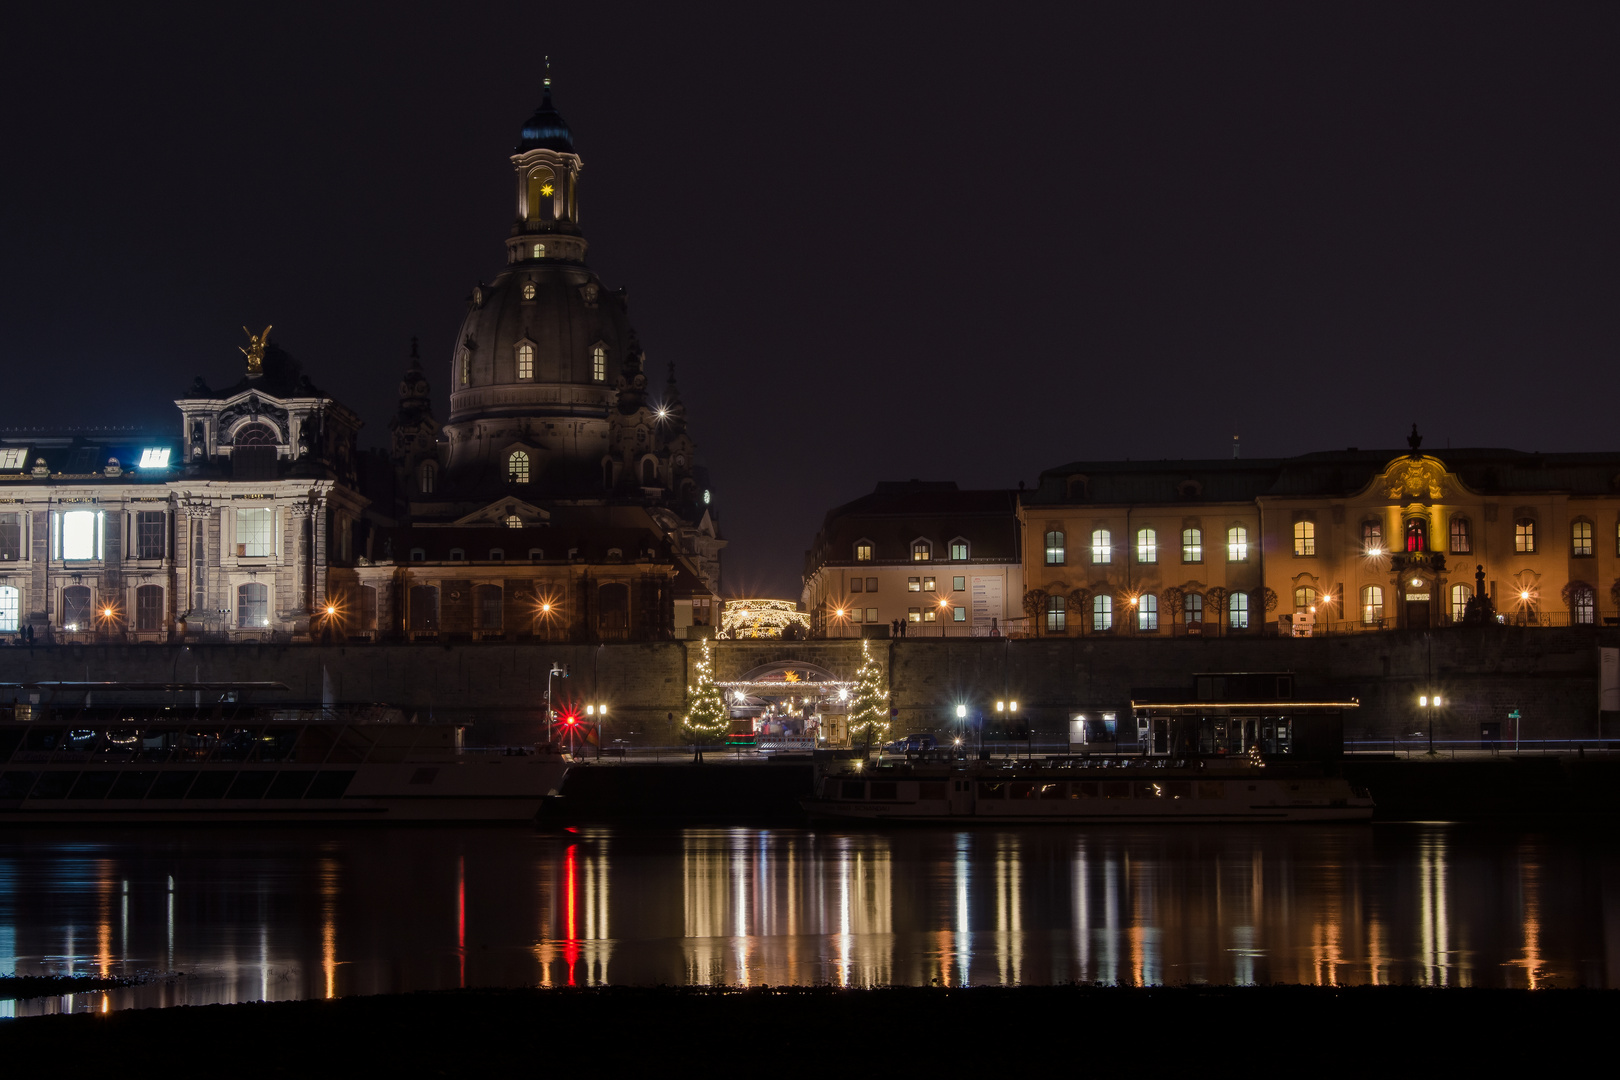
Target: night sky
(878, 243)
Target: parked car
(913, 744)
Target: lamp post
(599, 711)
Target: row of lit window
(80, 535)
(921, 550)
(525, 363)
(1147, 546)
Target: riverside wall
(1549, 674)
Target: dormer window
(525, 360)
(458, 555)
(921, 551)
(13, 458)
(863, 551)
(536, 554)
(517, 467)
(497, 555)
(615, 555)
(418, 555)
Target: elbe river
(265, 914)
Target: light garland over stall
(742, 619)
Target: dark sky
(879, 242)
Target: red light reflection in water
(570, 889)
(461, 916)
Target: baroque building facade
(560, 500)
(1328, 542)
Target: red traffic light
(570, 719)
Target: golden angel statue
(255, 349)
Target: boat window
(316, 742)
(1052, 790)
(211, 785)
(992, 791)
(276, 744)
(1178, 789)
(290, 784)
(54, 785)
(1212, 789)
(853, 789)
(93, 785)
(1084, 789)
(885, 789)
(329, 785)
(15, 785)
(1116, 789)
(931, 790)
(1024, 789)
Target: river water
(298, 913)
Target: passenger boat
(114, 765)
(1091, 789)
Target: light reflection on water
(270, 914)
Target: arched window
(538, 251)
(1147, 612)
(1460, 595)
(1372, 605)
(367, 614)
(1194, 604)
(1580, 539)
(1304, 538)
(1102, 546)
(613, 606)
(1147, 545)
(466, 368)
(1237, 611)
(1524, 536)
(76, 608)
(9, 608)
(1102, 612)
(542, 194)
(599, 363)
(148, 608)
(528, 290)
(649, 473)
(1056, 615)
(1237, 544)
(458, 555)
(1417, 534)
(1055, 551)
(1192, 545)
(512, 521)
(255, 435)
(1461, 543)
(497, 554)
(525, 361)
(517, 467)
(487, 608)
(921, 551)
(1304, 598)
(1372, 538)
(252, 605)
(424, 601)
(427, 475)
(1583, 604)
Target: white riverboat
(1106, 789)
(276, 765)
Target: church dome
(546, 129)
(544, 339)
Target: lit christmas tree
(869, 706)
(705, 706)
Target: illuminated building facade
(945, 562)
(1334, 542)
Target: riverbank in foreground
(820, 1031)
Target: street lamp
(1429, 703)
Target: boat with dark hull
(1091, 789)
(263, 764)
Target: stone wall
(1548, 674)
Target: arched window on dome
(517, 467)
(466, 368)
(525, 360)
(528, 290)
(542, 194)
(598, 363)
(427, 477)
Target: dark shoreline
(817, 1031)
(21, 987)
